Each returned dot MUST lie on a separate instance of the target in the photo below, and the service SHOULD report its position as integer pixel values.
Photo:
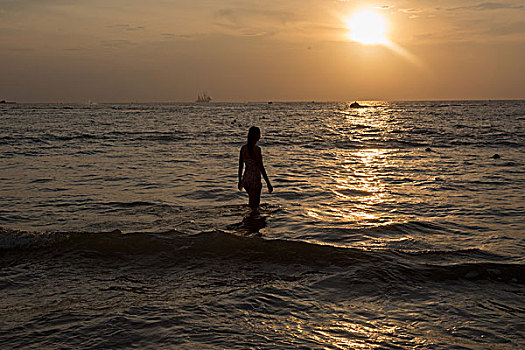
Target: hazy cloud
(425, 36)
(7, 6)
(242, 16)
(21, 49)
(496, 6)
(253, 22)
(181, 36)
(411, 10)
(126, 27)
(508, 29)
(117, 44)
(488, 6)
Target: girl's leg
(254, 194)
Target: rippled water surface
(398, 225)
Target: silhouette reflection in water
(253, 223)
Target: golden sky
(169, 50)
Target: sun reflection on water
(355, 187)
(354, 335)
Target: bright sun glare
(367, 27)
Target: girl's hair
(253, 136)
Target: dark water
(121, 226)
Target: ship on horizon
(203, 97)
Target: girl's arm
(263, 171)
(241, 165)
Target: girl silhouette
(251, 180)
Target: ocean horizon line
(270, 101)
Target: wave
(322, 144)
(391, 229)
(180, 248)
(111, 136)
(129, 204)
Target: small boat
(203, 97)
(355, 105)
(7, 102)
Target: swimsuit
(252, 175)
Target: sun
(367, 27)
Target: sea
(399, 225)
